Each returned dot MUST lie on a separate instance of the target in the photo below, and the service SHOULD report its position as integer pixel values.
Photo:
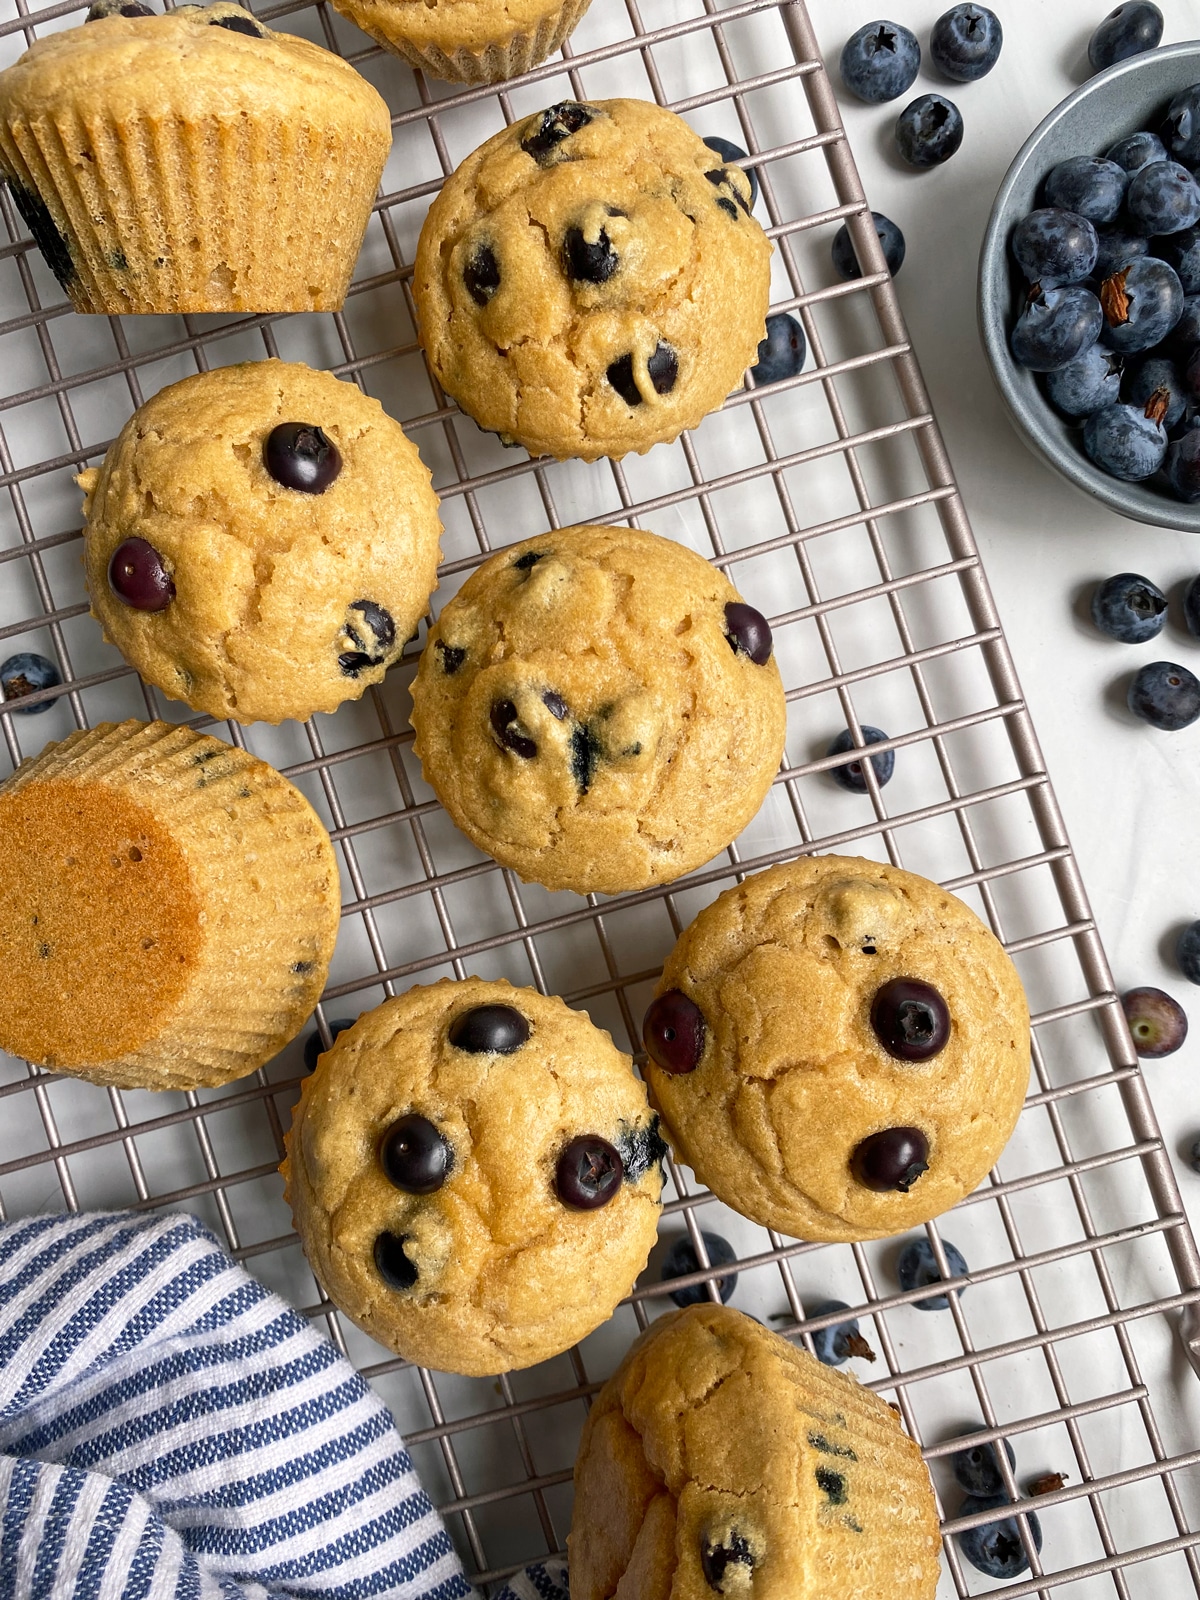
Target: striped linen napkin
(170, 1430)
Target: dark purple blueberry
(835, 1345)
(965, 42)
(1187, 952)
(556, 705)
(996, 1548)
(1158, 1024)
(25, 674)
(929, 131)
(845, 259)
(910, 1019)
(1137, 151)
(1157, 375)
(916, 1265)
(1126, 31)
(314, 1046)
(1191, 608)
(1181, 126)
(663, 367)
(55, 247)
(414, 1155)
(1165, 695)
(891, 1160)
(880, 61)
(748, 632)
(451, 657)
(1056, 327)
(552, 127)
(589, 260)
(1117, 248)
(733, 155)
(1127, 442)
(482, 275)
(851, 775)
(673, 1032)
(1163, 198)
(781, 351)
(1089, 186)
(977, 1468)
(372, 632)
(489, 1030)
(588, 1173)
(235, 24)
(1130, 608)
(391, 1263)
(586, 751)
(504, 721)
(137, 576)
(681, 1261)
(732, 1550)
(1055, 247)
(117, 8)
(529, 560)
(300, 456)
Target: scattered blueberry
(313, 1046)
(1117, 248)
(733, 154)
(673, 1032)
(965, 42)
(299, 455)
(1086, 384)
(929, 131)
(781, 354)
(1181, 126)
(1141, 304)
(846, 262)
(1054, 247)
(1191, 607)
(995, 1548)
(1129, 608)
(880, 61)
(1127, 31)
(1056, 327)
(137, 576)
(891, 1160)
(836, 1344)
(1157, 1023)
(1158, 375)
(414, 1155)
(1163, 198)
(977, 1468)
(1187, 952)
(1090, 186)
(1182, 252)
(851, 776)
(1137, 151)
(910, 1019)
(1182, 468)
(489, 1030)
(1165, 695)
(588, 1173)
(681, 1260)
(24, 674)
(916, 1266)
(1124, 442)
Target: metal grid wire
(829, 499)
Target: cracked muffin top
(599, 710)
(591, 281)
(719, 1460)
(474, 1172)
(261, 541)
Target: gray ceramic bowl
(1110, 106)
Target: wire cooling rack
(829, 500)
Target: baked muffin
(261, 541)
(468, 41)
(474, 1173)
(590, 281)
(718, 1459)
(195, 161)
(597, 709)
(839, 1049)
(168, 908)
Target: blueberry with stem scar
(588, 1173)
(301, 456)
(24, 674)
(137, 576)
(892, 1159)
(1157, 1022)
(910, 1019)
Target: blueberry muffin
(168, 908)
(720, 1460)
(196, 161)
(590, 281)
(597, 709)
(474, 1173)
(839, 1049)
(468, 41)
(261, 541)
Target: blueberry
(236, 24)
(1187, 952)
(488, 1030)
(836, 1344)
(370, 630)
(1056, 327)
(450, 656)
(414, 1155)
(1191, 607)
(730, 197)
(1181, 251)
(24, 674)
(731, 1549)
(137, 576)
(391, 1262)
(965, 42)
(54, 246)
(910, 1019)
(1181, 126)
(1124, 442)
(1154, 375)
(553, 127)
(929, 131)
(589, 260)
(977, 1468)
(1163, 198)
(662, 368)
(481, 275)
(1141, 305)
(505, 725)
(851, 776)
(300, 456)
(781, 353)
(1083, 386)
(588, 1173)
(682, 1260)
(1115, 248)
(733, 155)
(995, 1547)
(1054, 247)
(880, 61)
(1129, 608)
(1090, 186)
(916, 1266)
(673, 1032)
(1157, 1023)
(891, 1160)
(748, 632)
(641, 1148)
(1182, 469)
(1127, 31)
(586, 751)
(117, 8)
(313, 1045)
(1137, 151)
(1185, 335)
(890, 238)
(1165, 695)
(1194, 1156)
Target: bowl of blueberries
(1089, 288)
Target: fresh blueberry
(588, 1173)
(846, 262)
(733, 155)
(836, 1344)
(1157, 1023)
(995, 1548)
(977, 1469)
(681, 1260)
(137, 576)
(1129, 608)
(1185, 335)
(1090, 186)
(851, 775)
(1115, 248)
(880, 61)
(781, 354)
(1141, 304)
(300, 455)
(1124, 442)
(890, 1161)
(1054, 247)
(673, 1032)
(1187, 952)
(965, 42)
(1181, 126)
(1163, 198)
(1094, 380)
(916, 1266)
(1125, 32)
(415, 1157)
(1191, 607)
(489, 1030)
(24, 674)
(314, 1046)
(1056, 327)
(929, 131)
(1165, 695)
(1182, 469)
(1158, 374)
(910, 1019)
(1182, 252)
(1137, 151)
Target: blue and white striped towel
(170, 1430)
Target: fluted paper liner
(494, 62)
